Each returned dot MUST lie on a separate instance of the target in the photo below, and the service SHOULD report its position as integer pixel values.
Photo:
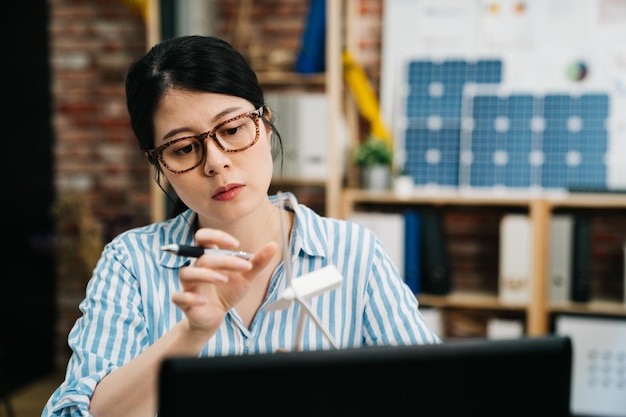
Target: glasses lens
(234, 135)
(237, 133)
(183, 154)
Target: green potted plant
(374, 157)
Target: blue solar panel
(433, 106)
(501, 141)
(437, 153)
(575, 141)
(546, 141)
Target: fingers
(202, 274)
(206, 237)
(215, 238)
(187, 300)
(213, 269)
(220, 280)
(264, 255)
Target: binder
(412, 250)
(436, 277)
(560, 261)
(515, 259)
(581, 279)
(311, 56)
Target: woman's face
(225, 186)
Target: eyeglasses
(233, 135)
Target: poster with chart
(563, 54)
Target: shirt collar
(180, 229)
(302, 239)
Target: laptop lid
(470, 377)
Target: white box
(499, 328)
(302, 120)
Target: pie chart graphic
(577, 71)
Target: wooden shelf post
(537, 317)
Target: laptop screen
(469, 377)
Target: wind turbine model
(306, 286)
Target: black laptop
(471, 377)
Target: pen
(196, 251)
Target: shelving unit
(330, 83)
(540, 209)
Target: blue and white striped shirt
(128, 302)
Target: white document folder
(515, 262)
(560, 266)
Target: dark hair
(195, 63)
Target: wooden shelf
(610, 308)
(590, 200)
(291, 80)
(352, 196)
(480, 301)
(298, 182)
(540, 209)
(485, 301)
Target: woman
(199, 114)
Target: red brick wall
(92, 43)
(267, 32)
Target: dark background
(27, 307)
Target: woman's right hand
(214, 283)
